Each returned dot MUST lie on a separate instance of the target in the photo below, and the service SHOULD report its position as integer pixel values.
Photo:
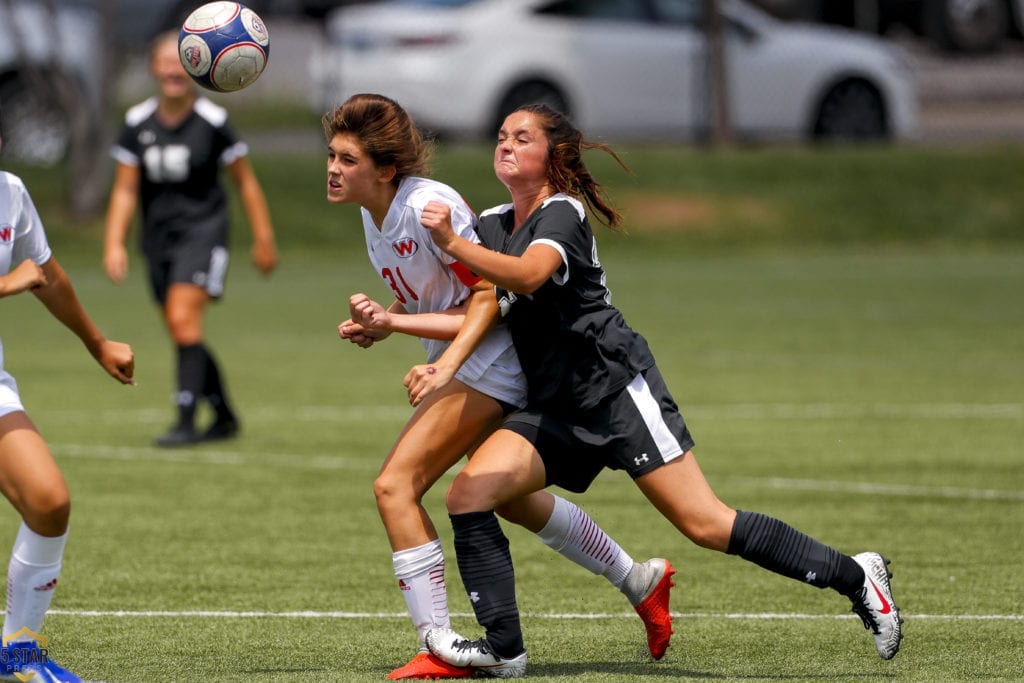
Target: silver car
(626, 69)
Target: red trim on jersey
(465, 275)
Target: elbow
(523, 281)
(527, 286)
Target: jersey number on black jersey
(167, 164)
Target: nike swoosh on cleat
(886, 608)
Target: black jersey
(180, 168)
(574, 346)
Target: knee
(711, 531)
(391, 493)
(183, 326)
(47, 513)
(462, 497)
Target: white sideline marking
(730, 411)
(215, 457)
(866, 488)
(371, 463)
(828, 411)
(213, 614)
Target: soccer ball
(224, 46)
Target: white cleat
(875, 606)
(449, 646)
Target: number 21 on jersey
(403, 292)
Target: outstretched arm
(439, 325)
(60, 299)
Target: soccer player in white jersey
(29, 476)
(376, 158)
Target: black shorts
(638, 430)
(196, 260)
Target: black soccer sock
(191, 378)
(214, 390)
(485, 564)
(780, 548)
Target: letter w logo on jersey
(405, 247)
(6, 233)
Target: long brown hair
(566, 171)
(387, 133)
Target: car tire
(978, 26)
(851, 110)
(530, 92)
(35, 128)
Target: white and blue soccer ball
(224, 46)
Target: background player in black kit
(169, 155)
(595, 399)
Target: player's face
(352, 177)
(170, 75)
(521, 155)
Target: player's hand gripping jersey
(592, 352)
(424, 279)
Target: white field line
(227, 614)
(370, 463)
(203, 456)
(828, 411)
(734, 411)
(871, 489)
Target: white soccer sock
(575, 535)
(420, 574)
(31, 579)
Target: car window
(598, 9)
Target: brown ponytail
(566, 171)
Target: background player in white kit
(375, 155)
(29, 477)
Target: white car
(625, 69)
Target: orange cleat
(653, 608)
(425, 666)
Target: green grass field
(866, 387)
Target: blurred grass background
(762, 197)
(842, 327)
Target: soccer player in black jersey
(169, 158)
(595, 400)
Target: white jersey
(422, 279)
(21, 237)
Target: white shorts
(10, 401)
(503, 380)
